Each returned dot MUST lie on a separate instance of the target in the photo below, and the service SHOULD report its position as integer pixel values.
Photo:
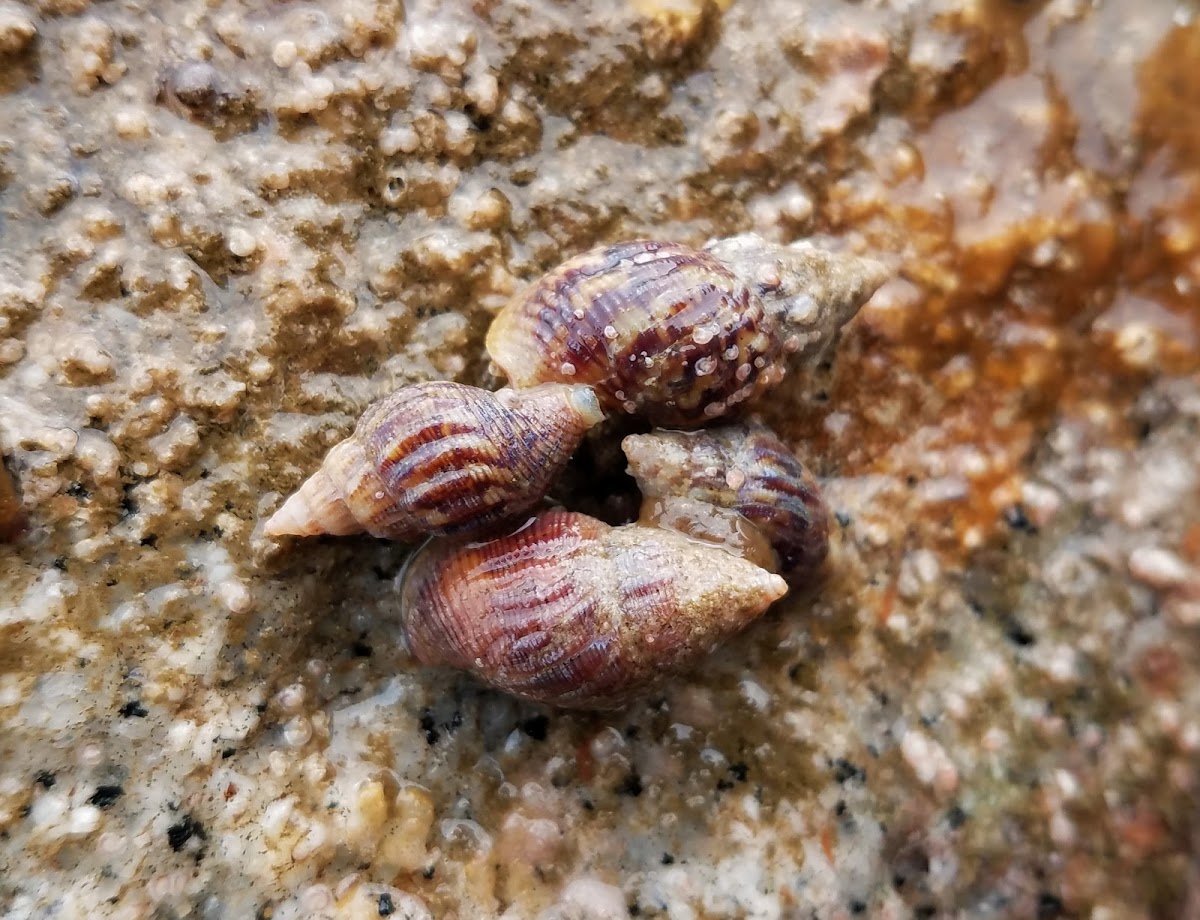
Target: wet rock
(199, 91)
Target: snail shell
(746, 469)
(441, 458)
(676, 335)
(700, 520)
(572, 612)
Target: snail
(689, 479)
(675, 335)
(566, 609)
(441, 458)
(569, 611)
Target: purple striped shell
(744, 468)
(660, 330)
(572, 612)
(676, 335)
(441, 458)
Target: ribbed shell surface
(572, 612)
(447, 458)
(661, 330)
(746, 468)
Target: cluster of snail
(556, 606)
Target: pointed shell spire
(441, 458)
(810, 293)
(319, 505)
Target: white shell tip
(293, 518)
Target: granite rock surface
(226, 227)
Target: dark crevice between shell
(596, 481)
(12, 511)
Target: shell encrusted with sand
(570, 611)
(680, 336)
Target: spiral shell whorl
(570, 611)
(748, 469)
(331, 500)
(442, 458)
(661, 330)
(809, 294)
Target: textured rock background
(226, 227)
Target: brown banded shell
(676, 335)
(572, 612)
(441, 458)
(660, 330)
(744, 468)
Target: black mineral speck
(428, 872)
(630, 785)
(150, 540)
(360, 650)
(104, 796)
(1016, 518)
(179, 833)
(132, 710)
(844, 771)
(429, 727)
(858, 907)
(536, 727)
(45, 779)
(386, 907)
(1049, 906)
(956, 817)
(78, 490)
(1019, 635)
(668, 859)
(737, 773)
